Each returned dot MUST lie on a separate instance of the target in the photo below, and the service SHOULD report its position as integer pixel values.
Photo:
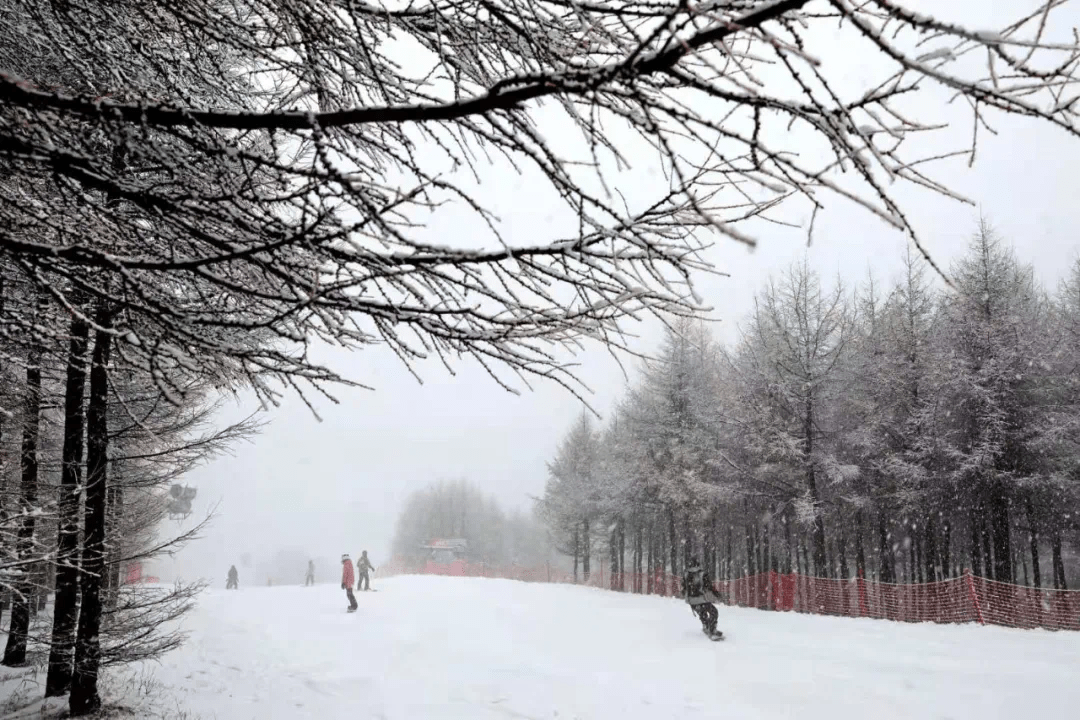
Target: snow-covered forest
(459, 509)
(205, 198)
(900, 431)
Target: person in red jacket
(347, 580)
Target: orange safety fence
(956, 600)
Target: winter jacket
(697, 588)
(364, 565)
(347, 578)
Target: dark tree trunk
(1033, 541)
(930, 552)
(841, 551)
(651, 564)
(84, 697)
(946, 549)
(638, 551)
(23, 591)
(915, 554)
(613, 557)
(792, 561)
(1056, 561)
(750, 550)
(577, 551)
(621, 526)
(114, 509)
(976, 543)
(730, 553)
(860, 554)
(820, 560)
(586, 550)
(1001, 535)
(885, 559)
(66, 611)
(674, 540)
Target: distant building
(445, 552)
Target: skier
(363, 566)
(233, 581)
(309, 579)
(347, 580)
(697, 589)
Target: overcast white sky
(335, 486)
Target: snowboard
(715, 637)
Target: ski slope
(433, 648)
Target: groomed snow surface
(434, 648)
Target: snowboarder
(309, 579)
(363, 566)
(697, 589)
(347, 580)
(233, 581)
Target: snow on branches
(241, 179)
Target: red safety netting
(957, 600)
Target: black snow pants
(231, 584)
(309, 580)
(708, 615)
(352, 598)
(364, 580)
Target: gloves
(342, 586)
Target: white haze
(323, 488)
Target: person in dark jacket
(698, 591)
(364, 566)
(347, 580)
(233, 580)
(309, 579)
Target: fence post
(974, 596)
(863, 611)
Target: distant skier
(233, 580)
(347, 580)
(364, 566)
(698, 591)
(309, 579)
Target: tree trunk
(65, 611)
(613, 557)
(651, 564)
(976, 543)
(1033, 541)
(577, 550)
(113, 528)
(1056, 562)
(841, 552)
(886, 559)
(84, 697)
(621, 528)
(860, 554)
(586, 550)
(915, 555)
(930, 552)
(946, 549)
(637, 556)
(730, 553)
(750, 550)
(674, 539)
(1001, 536)
(23, 590)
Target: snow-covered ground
(437, 648)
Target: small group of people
(364, 569)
